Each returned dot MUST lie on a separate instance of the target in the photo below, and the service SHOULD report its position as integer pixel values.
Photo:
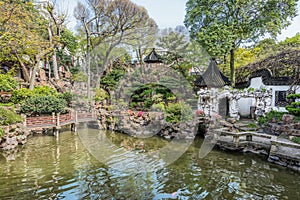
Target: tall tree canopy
(23, 37)
(111, 22)
(221, 26)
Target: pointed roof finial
(153, 57)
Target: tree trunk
(24, 69)
(49, 68)
(55, 65)
(232, 71)
(88, 65)
(33, 74)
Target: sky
(170, 13)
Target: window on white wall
(280, 98)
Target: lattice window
(280, 98)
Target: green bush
(157, 98)
(177, 112)
(294, 107)
(8, 117)
(269, 116)
(296, 140)
(43, 105)
(67, 96)
(100, 95)
(147, 95)
(187, 113)
(111, 80)
(1, 132)
(7, 83)
(21, 94)
(159, 107)
(7, 104)
(44, 91)
(252, 125)
(293, 96)
(80, 77)
(173, 111)
(25, 93)
(148, 102)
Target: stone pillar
(25, 120)
(76, 116)
(233, 108)
(58, 119)
(53, 118)
(249, 137)
(236, 139)
(73, 127)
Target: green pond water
(93, 164)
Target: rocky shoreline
(13, 135)
(144, 124)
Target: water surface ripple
(63, 168)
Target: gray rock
(288, 119)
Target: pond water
(67, 167)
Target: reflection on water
(63, 168)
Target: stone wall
(145, 124)
(213, 100)
(13, 136)
(285, 154)
(287, 127)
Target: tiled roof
(153, 57)
(212, 77)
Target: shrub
(111, 80)
(43, 105)
(157, 98)
(269, 116)
(8, 117)
(294, 107)
(177, 112)
(159, 107)
(173, 111)
(67, 96)
(21, 94)
(293, 96)
(296, 140)
(252, 125)
(100, 95)
(1, 132)
(80, 77)
(24, 93)
(44, 91)
(148, 102)
(7, 83)
(7, 104)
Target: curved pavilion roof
(153, 57)
(212, 77)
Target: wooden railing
(5, 93)
(58, 119)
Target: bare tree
(56, 22)
(110, 22)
